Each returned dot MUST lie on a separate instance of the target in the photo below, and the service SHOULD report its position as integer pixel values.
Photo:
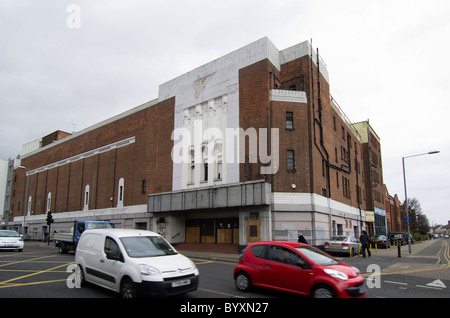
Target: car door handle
(268, 265)
(102, 261)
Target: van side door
(111, 263)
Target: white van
(134, 262)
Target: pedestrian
(301, 239)
(364, 239)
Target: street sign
(408, 219)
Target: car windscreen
(146, 246)
(9, 234)
(317, 256)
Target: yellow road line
(33, 274)
(7, 285)
(26, 260)
(28, 271)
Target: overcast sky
(388, 62)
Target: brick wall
(148, 158)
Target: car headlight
(336, 274)
(149, 270)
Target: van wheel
(127, 289)
(243, 282)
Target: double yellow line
(445, 253)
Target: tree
(419, 221)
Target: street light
(25, 209)
(406, 196)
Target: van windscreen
(146, 246)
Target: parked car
(380, 241)
(296, 268)
(134, 262)
(342, 244)
(396, 237)
(405, 235)
(11, 240)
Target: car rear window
(338, 238)
(258, 250)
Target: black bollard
(399, 248)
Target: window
(191, 175)
(283, 255)
(144, 187)
(49, 201)
(205, 163)
(259, 250)
(289, 120)
(340, 229)
(290, 160)
(86, 197)
(112, 248)
(120, 193)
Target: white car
(134, 262)
(342, 244)
(11, 240)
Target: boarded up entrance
(220, 231)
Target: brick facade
(147, 159)
(322, 182)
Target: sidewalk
(416, 249)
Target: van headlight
(149, 270)
(336, 274)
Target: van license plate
(179, 283)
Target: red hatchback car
(297, 268)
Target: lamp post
(408, 219)
(25, 209)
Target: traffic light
(49, 218)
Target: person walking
(301, 238)
(364, 239)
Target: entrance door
(226, 229)
(253, 230)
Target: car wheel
(127, 289)
(323, 291)
(243, 282)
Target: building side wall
(147, 159)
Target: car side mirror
(116, 256)
(302, 264)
